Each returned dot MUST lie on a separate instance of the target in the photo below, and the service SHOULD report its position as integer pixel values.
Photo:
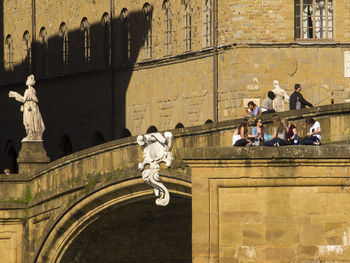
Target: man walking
(296, 100)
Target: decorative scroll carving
(156, 149)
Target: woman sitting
(292, 136)
(279, 134)
(240, 135)
(258, 132)
(314, 135)
(253, 109)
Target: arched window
(97, 138)
(27, 51)
(65, 146)
(107, 38)
(125, 133)
(179, 126)
(11, 157)
(85, 28)
(63, 33)
(207, 23)
(167, 27)
(9, 53)
(209, 121)
(152, 129)
(126, 40)
(187, 22)
(44, 51)
(147, 11)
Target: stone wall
(275, 206)
(248, 72)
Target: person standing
(297, 100)
(267, 104)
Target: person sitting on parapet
(279, 137)
(292, 135)
(240, 135)
(258, 132)
(267, 104)
(297, 100)
(314, 135)
(253, 109)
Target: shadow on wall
(87, 48)
(1, 35)
(63, 65)
(65, 146)
(97, 139)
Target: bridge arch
(71, 221)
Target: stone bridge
(227, 205)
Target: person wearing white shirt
(314, 134)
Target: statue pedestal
(32, 157)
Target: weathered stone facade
(255, 41)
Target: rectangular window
(148, 44)
(207, 24)
(167, 32)
(10, 58)
(126, 41)
(65, 54)
(347, 64)
(107, 44)
(45, 58)
(313, 19)
(87, 47)
(187, 28)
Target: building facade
(109, 69)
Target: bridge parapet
(270, 204)
(37, 202)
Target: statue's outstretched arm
(18, 97)
(286, 97)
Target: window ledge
(207, 48)
(187, 51)
(315, 41)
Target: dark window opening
(179, 126)
(152, 129)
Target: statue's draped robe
(32, 119)
(281, 97)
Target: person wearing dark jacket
(296, 100)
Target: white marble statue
(281, 97)
(156, 149)
(32, 119)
